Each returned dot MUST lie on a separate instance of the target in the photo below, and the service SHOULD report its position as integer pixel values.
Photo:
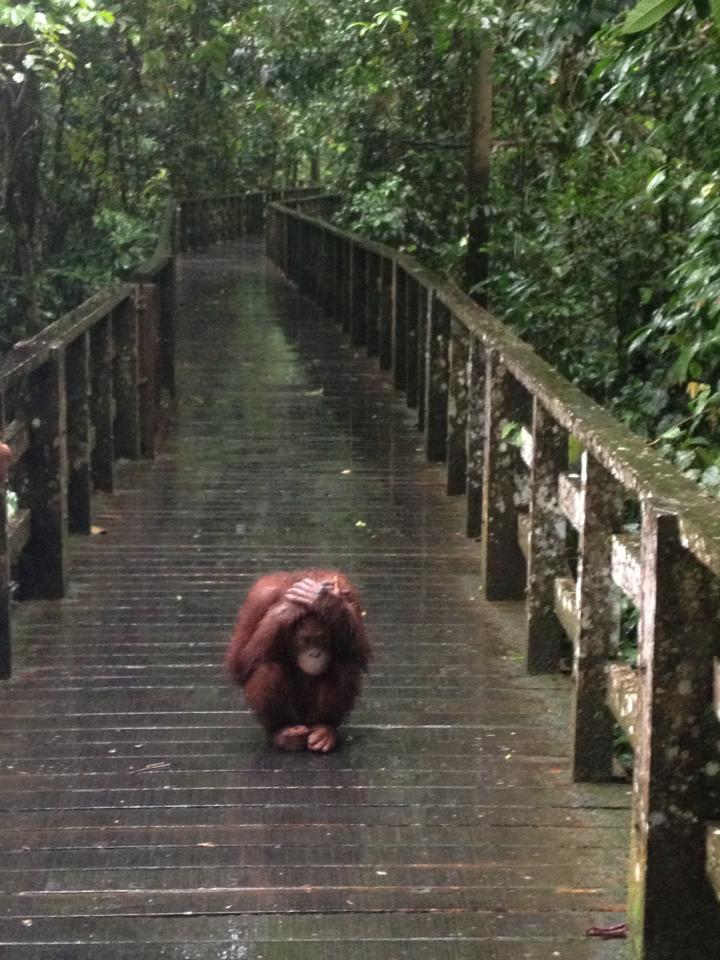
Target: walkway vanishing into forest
(143, 814)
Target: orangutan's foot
(291, 738)
(322, 738)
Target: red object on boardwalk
(617, 931)
(299, 649)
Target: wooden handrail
(474, 381)
(635, 465)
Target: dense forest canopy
(605, 193)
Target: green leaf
(587, 133)
(659, 177)
(646, 13)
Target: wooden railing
(86, 391)
(224, 217)
(477, 388)
(90, 389)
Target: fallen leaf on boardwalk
(206, 844)
(314, 393)
(151, 766)
(360, 523)
(345, 472)
(97, 531)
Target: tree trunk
(315, 166)
(20, 148)
(477, 258)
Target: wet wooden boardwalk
(143, 815)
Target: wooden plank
(443, 932)
(623, 698)
(716, 687)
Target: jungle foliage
(605, 193)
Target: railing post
(5, 624)
(77, 367)
(45, 555)
(166, 282)
(324, 268)
(318, 264)
(411, 339)
(126, 370)
(457, 408)
(547, 551)
(306, 258)
(372, 313)
(436, 379)
(387, 312)
(284, 243)
(270, 235)
(422, 320)
(101, 404)
(289, 247)
(358, 323)
(336, 289)
(237, 203)
(475, 439)
(598, 622)
(673, 912)
(399, 333)
(506, 403)
(147, 301)
(347, 280)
